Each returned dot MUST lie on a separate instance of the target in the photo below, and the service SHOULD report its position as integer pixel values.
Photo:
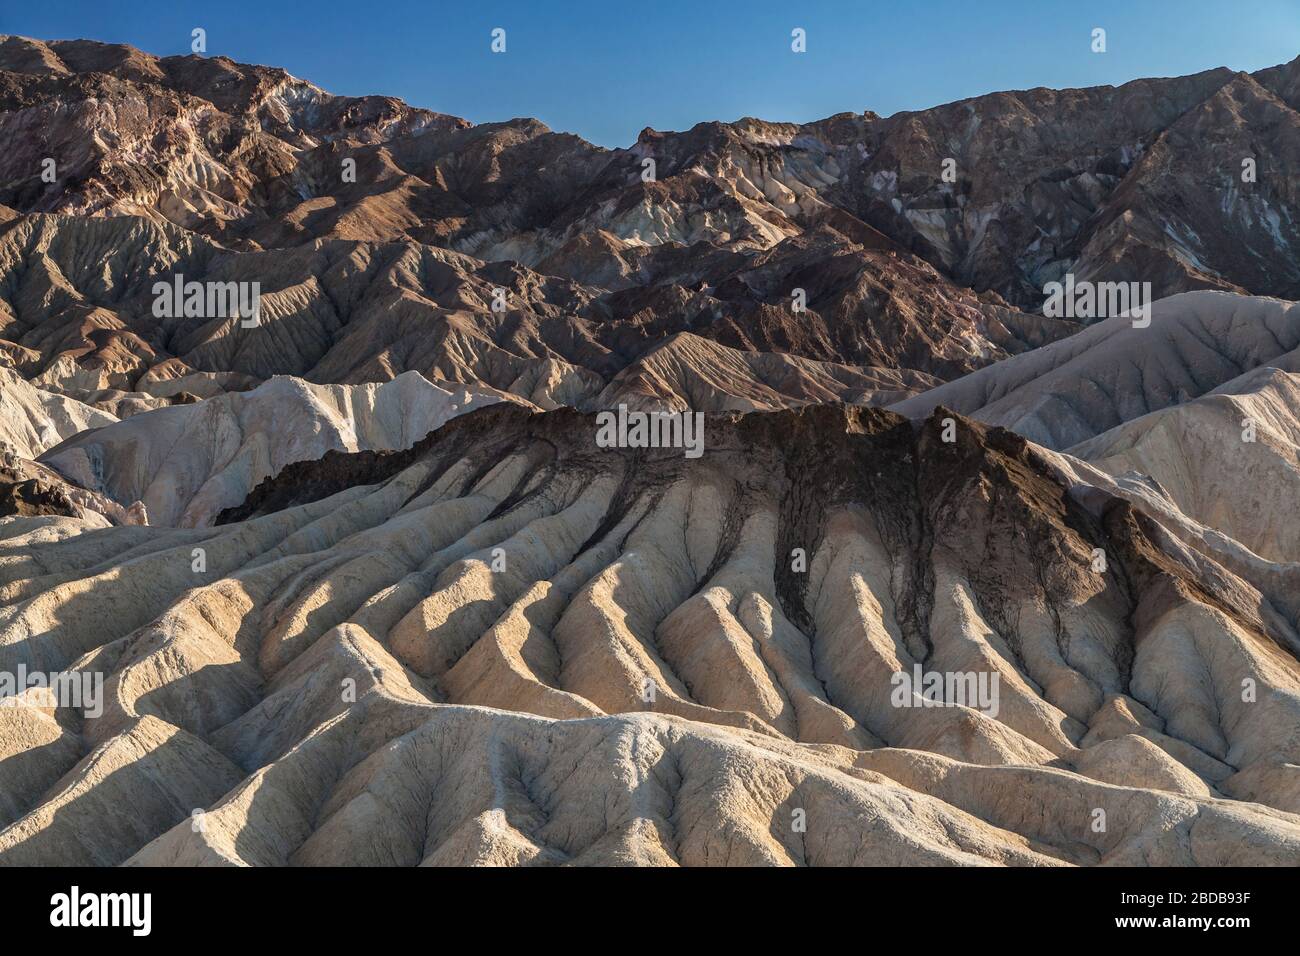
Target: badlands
(360, 587)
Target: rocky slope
(1094, 181)
(206, 162)
(225, 172)
(1230, 459)
(1113, 372)
(33, 420)
(506, 645)
(77, 314)
(184, 464)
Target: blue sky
(607, 69)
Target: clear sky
(607, 68)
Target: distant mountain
(1143, 181)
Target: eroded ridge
(508, 645)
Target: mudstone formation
(354, 583)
